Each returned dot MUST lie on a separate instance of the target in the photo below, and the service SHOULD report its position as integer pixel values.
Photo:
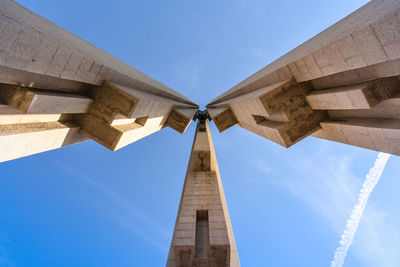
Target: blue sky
(86, 206)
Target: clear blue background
(86, 206)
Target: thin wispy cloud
(137, 231)
(327, 186)
(258, 53)
(378, 238)
(126, 214)
(191, 73)
(370, 182)
(191, 69)
(325, 180)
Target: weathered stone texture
(278, 112)
(203, 208)
(32, 44)
(179, 119)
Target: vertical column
(203, 233)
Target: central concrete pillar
(203, 233)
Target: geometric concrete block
(55, 103)
(144, 114)
(278, 112)
(43, 102)
(223, 118)
(102, 132)
(292, 132)
(179, 119)
(359, 96)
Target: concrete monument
(342, 85)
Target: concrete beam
(389, 108)
(375, 134)
(41, 102)
(359, 96)
(21, 140)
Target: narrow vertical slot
(202, 234)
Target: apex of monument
(202, 116)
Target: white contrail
(370, 182)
